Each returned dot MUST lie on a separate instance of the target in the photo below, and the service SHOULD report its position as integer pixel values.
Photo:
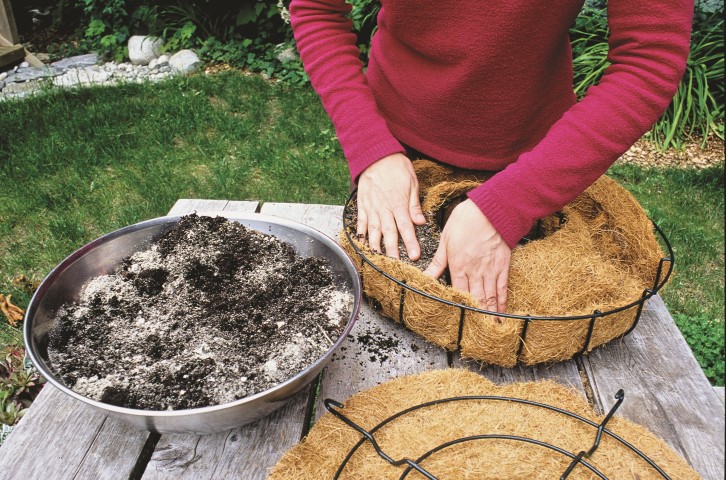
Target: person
(485, 86)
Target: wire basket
(628, 315)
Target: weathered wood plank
(377, 350)
(665, 389)
(61, 438)
(245, 452)
(190, 205)
(8, 28)
(327, 219)
(29, 57)
(565, 373)
(12, 54)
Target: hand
(388, 204)
(477, 257)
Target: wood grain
(245, 452)
(8, 28)
(10, 55)
(565, 373)
(665, 389)
(62, 438)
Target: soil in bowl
(212, 312)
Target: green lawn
(77, 164)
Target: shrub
(697, 108)
(19, 385)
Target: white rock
(287, 55)
(184, 61)
(3, 75)
(24, 65)
(143, 49)
(79, 77)
(153, 63)
(163, 60)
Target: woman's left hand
(477, 256)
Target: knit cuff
(508, 221)
(359, 159)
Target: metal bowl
(102, 256)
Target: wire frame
(662, 274)
(409, 465)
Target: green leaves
(706, 338)
(19, 384)
(697, 108)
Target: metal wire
(659, 281)
(335, 408)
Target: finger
(459, 280)
(502, 282)
(490, 291)
(362, 227)
(408, 234)
(476, 289)
(414, 208)
(390, 235)
(374, 232)
(438, 264)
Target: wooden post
(9, 37)
(7, 22)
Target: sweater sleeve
(327, 46)
(648, 49)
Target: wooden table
(666, 390)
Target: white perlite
(170, 313)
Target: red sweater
(488, 86)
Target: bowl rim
(239, 217)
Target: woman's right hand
(388, 205)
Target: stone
(25, 74)
(24, 65)
(21, 89)
(43, 57)
(143, 49)
(153, 64)
(2, 84)
(81, 77)
(163, 60)
(287, 55)
(86, 60)
(184, 61)
(3, 75)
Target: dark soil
(211, 313)
(428, 236)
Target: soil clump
(212, 312)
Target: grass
(97, 159)
(688, 205)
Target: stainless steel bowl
(103, 255)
